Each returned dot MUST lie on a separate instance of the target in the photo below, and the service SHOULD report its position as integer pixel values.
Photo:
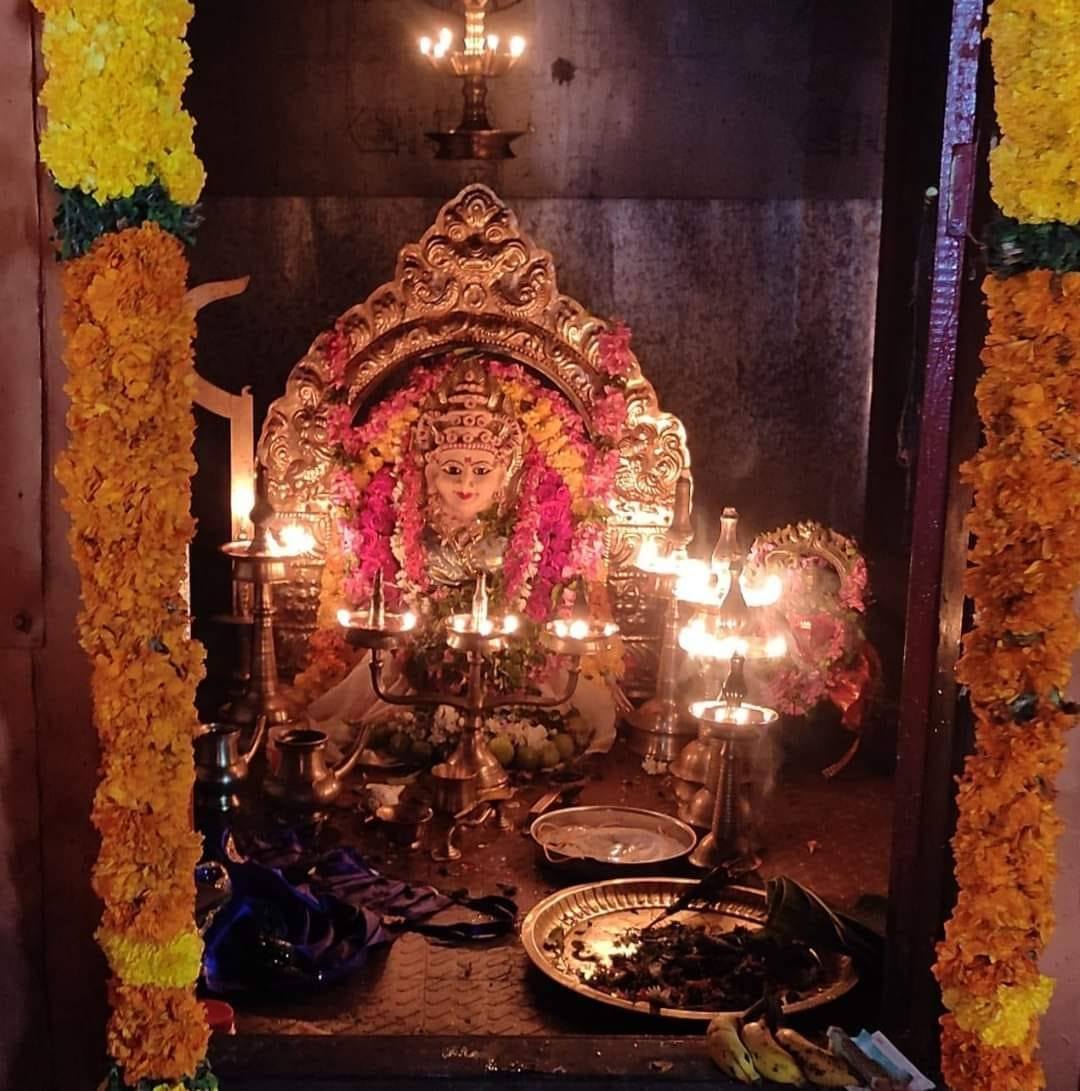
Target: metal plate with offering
(599, 941)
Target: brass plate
(598, 912)
(673, 837)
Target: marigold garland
(1035, 169)
(116, 71)
(119, 147)
(1024, 569)
(127, 476)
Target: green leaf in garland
(80, 220)
(1013, 247)
(203, 1080)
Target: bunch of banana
(751, 1052)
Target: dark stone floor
(426, 1010)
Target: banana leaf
(797, 913)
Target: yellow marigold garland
(116, 70)
(1036, 166)
(127, 475)
(1025, 567)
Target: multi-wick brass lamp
(481, 58)
(734, 624)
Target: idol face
(466, 482)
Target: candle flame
(517, 45)
(776, 647)
(493, 42)
(510, 623)
(579, 629)
(344, 617)
(445, 37)
(408, 621)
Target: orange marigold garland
(127, 475)
(1024, 570)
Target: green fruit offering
(421, 751)
(565, 745)
(380, 736)
(503, 749)
(580, 728)
(527, 757)
(549, 755)
(400, 744)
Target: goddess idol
(474, 467)
(470, 449)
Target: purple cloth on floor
(300, 921)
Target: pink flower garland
(519, 564)
(555, 534)
(337, 355)
(369, 535)
(609, 413)
(615, 351)
(411, 552)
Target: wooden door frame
(933, 735)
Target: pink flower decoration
(615, 351)
(609, 413)
(371, 531)
(587, 551)
(337, 354)
(518, 565)
(343, 490)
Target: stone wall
(709, 171)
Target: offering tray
(593, 916)
(618, 837)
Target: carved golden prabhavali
(475, 280)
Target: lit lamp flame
(696, 640)
(695, 582)
(517, 45)
(693, 637)
(510, 623)
(243, 500)
(649, 559)
(296, 540)
(776, 647)
(290, 541)
(425, 46)
(764, 592)
(579, 629)
(344, 618)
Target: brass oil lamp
(479, 60)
